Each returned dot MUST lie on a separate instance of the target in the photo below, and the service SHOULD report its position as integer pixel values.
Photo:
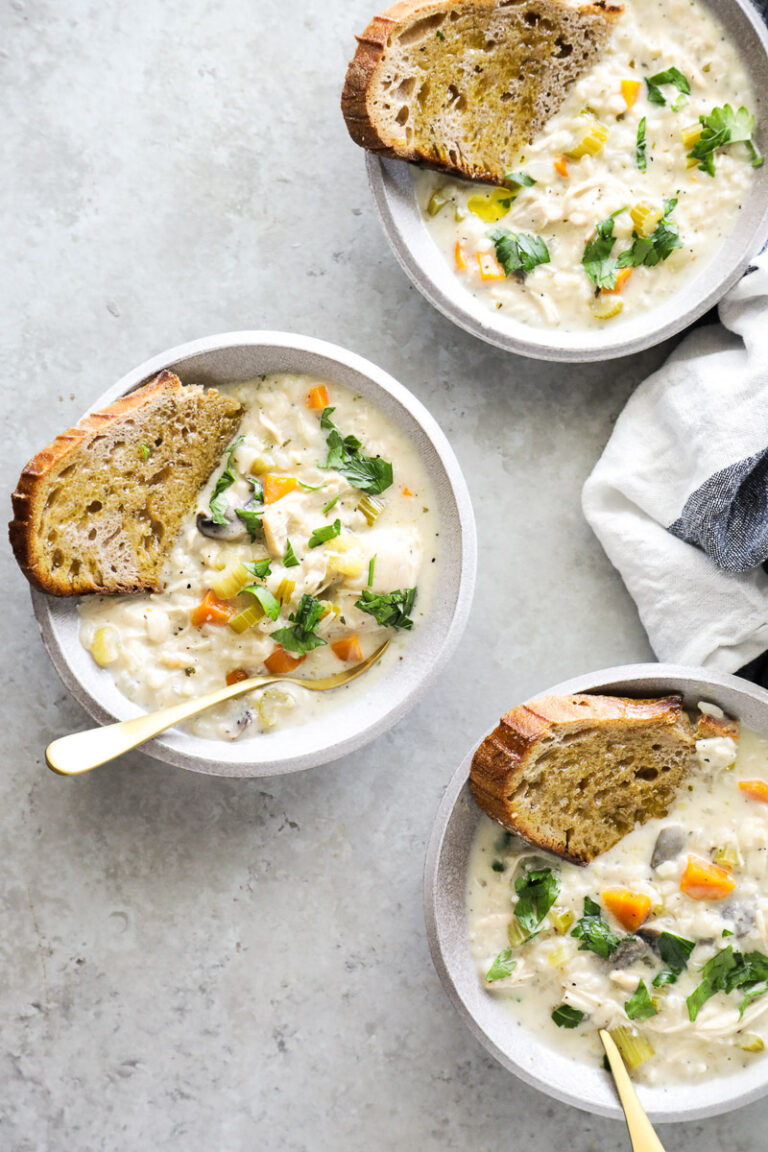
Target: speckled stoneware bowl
(491, 1020)
(393, 194)
(238, 356)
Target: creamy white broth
(156, 655)
(650, 36)
(551, 970)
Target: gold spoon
(641, 1132)
(82, 751)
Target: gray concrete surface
(198, 964)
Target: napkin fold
(679, 498)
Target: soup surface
(685, 987)
(623, 144)
(320, 553)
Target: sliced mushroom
(651, 938)
(631, 950)
(740, 914)
(232, 529)
(669, 844)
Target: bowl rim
(709, 1098)
(215, 761)
(396, 213)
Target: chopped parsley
(331, 504)
(252, 520)
(675, 951)
(640, 1006)
(593, 931)
(598, 263)
(310, 487)
(536, 891)
(651, 250)
(720, 128)
(715, 973)
(300, 635)
(370, 474)
(289, 560)
(259, 569)
(440, 35)
(502, 966)
(668, 76)
(322, 535)
(268, 602)
(218, 503)
(519, 251)
(640, 147)
(726, 971)
(144, 451)
(521, 179)
(390, 609)
(371, 566)
(566, 1017)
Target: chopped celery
(105, 646)
(515, 934)
(231, 581)
(606, 307)
(285, 590)
(557, 957)
(635, 1047)
(592, 142)
(690, 135)
(259, 467)
(438, 201)
(750, 1042)
(371, 507)
(561, 920)
(270, 701)
(645, 218)
(727, 857)
(247, 618)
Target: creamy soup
(682, 992)
(313, 542)
(628, 140)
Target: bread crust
(501, 759)
(31, 486)
(371, 46)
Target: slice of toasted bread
(573, 774)
(99, 508)
(463, 86)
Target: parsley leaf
(252, 521)
(651, 250)
(144, 451)
(300, 636)
(371, 566)
(331, 504)
(519, 251)
(640, 1006)
(598, 263)
(668, 76)
(640, 147)
(321, 535)
(566, 1017)
(289, 560)
(390, 609)
(593, 931)
(218, 503)
(521, 179)
(536, 891)
(720, 128)
(675, 951)
(268, 602)
(502, 966)
(370, 474)
(715, 973)
(259, 569)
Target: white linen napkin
(679, 498)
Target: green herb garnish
(310, 487)
(440, 35)
(714, 973)
(640, 147)
(668, 76)
(144, 451)
(218, 503)
(289, 560)
(593, 931)
(640, 1006)
(259, 569)
(519, 251)
(675, 951)
(720, 128)
(368, 473)
(268, 602)
(252, 520)
(566, 1017)
(322, 535)
(300, 636)
(598, 263)
(536, 893)
(331, 504)
(371, 566)
(502, 966)
(390, 609)
(651, 250)
(521, 179)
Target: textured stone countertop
(201, 964)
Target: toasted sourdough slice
(573, 774)
(99, 508)
(464, 86)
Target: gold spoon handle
(82, 751)
(641, 1131)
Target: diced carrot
(490, 269)
(280, 661)
(348, 648)
(631, 909)
(317, 398)
(705, 880)
(622, 276)
(755, 789)
(459, 258)
(236, 675)
(211, 610)
(561, 166)
(275, 487)
(407, 491)
(630, 90)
